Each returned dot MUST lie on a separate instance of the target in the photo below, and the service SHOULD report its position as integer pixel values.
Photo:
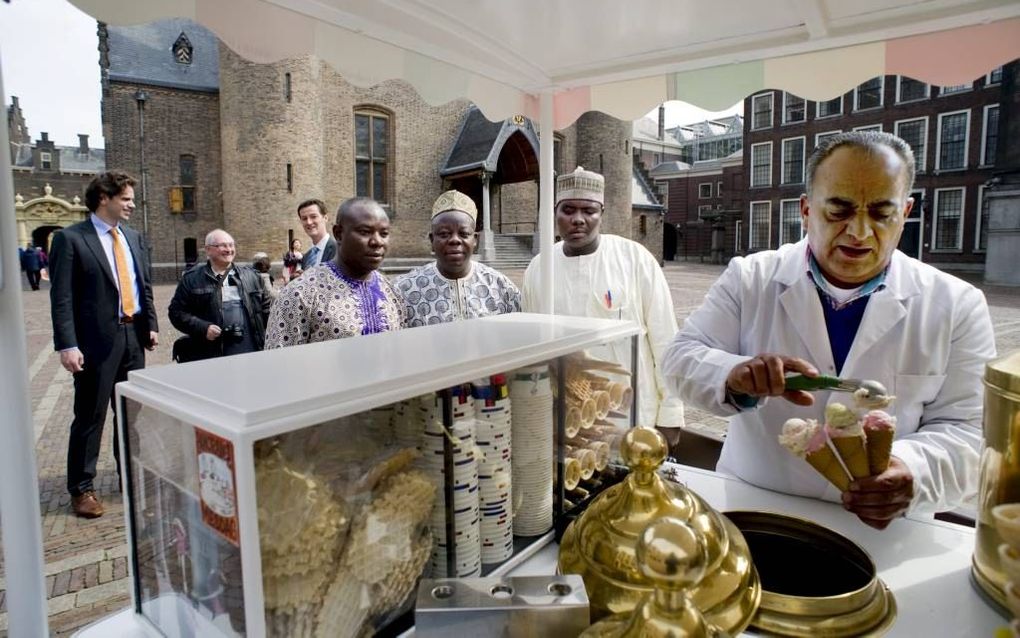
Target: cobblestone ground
(86, 564)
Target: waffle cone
(601, 404)
(879, 450)
(855, 456)
(825, 461)
(572, 423)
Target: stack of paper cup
(532, 462)
(409, 418)
(466, 541)
(493, 436)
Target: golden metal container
(671, 554)
(601, 544)
(1000, 470)
(814, 581)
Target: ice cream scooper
(874, 389)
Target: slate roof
(143, 54)
(474, 143)
(70, 159)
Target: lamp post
(140, 98)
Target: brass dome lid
(673, 555)
(601, 545)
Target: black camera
(232, 333)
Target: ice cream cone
(824, 460)
(854, 454)
(572, 422)
(601, 404)
(879, 450)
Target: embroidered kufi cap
(581, 184)
(454, 200)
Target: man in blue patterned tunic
(345, 297)
(454, 287)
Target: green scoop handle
(811, 384)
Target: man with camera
(219, 306)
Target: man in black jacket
(220, 307)
(103, 317)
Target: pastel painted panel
(824, 75)
(127, 12)
(362, 61)
(956, 56)
(716, 88)
(259, 31)
(497, 101)
(436, 82)
(629, 99)
(570, 105)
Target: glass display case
(304, 491)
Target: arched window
(373, 153)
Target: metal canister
(1000, 469)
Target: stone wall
(177, 122)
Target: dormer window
(182, 49)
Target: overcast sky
(50, 59)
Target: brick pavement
(86, 564)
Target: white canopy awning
(621, 58)
(550, 60)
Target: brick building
(247, 142)
(954, 132)
(703, 198)
(49, 180)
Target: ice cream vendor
(845, 302)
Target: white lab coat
(926, 335)
(620, 280)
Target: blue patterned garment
(324, 304)
(430, 298)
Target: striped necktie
(127, 297)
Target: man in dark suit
(312, 214)
(103, 316)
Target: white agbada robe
(620, 280)
(926, 336)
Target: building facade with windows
(49, 180)
(953, 131)
(233, 144)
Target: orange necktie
(127, 297)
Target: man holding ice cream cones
(844, 302)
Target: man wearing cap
(608, 276)
(454, 287)
(345, 297)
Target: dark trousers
(33, 278)
(93, 391)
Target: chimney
(45, 137)
(83, 143)
(662, 122)
(14, 101)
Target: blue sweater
(842, 326)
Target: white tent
(546, 59)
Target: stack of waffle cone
(571, 473)
(572, 421)
(615, 391)
(586, 457)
